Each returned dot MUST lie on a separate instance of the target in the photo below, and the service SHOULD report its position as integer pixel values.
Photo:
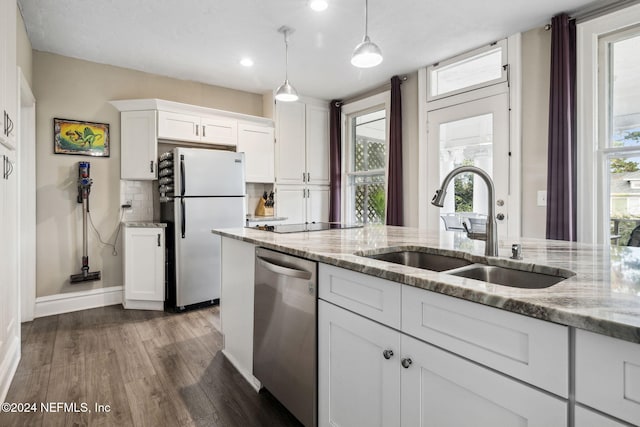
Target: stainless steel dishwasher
(284, 331)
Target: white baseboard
(253, 381)
(75, 301)
(8, 367)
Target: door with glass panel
(619, 144)
(474, 133)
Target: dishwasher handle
(277, 268)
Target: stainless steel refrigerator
(199, 190)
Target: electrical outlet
(542, 198)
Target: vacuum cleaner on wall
(84, 188)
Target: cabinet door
(318, 204)
(220, 131)
(8, 78)
(587, 418)
(358, 384)
(290, 143)
(441, 389)
(291, 203)
(139, 145)
(178, 127)
(256, 142)
(144, 264)
(317, 136)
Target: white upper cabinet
(302, 143)
(138, 145)
(317, 152)
(256, 142)
(290, 142)
(185, 127)
(8, 76)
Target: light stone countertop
(144, 224)
(603, 296)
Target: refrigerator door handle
(183, 220)
(182, 177)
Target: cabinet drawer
(372, 297)
(608, 375)
(529, 349)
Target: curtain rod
(374, 91)
(595, 12)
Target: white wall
(80, 90)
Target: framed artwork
(83, 138)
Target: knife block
(262, 210)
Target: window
(365, 163)
(608, 126)
(479, 68)
(367, 168)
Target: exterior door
(471, 133)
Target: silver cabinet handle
(304, 177)
(151, 166)
(197, 129)
(388, 354)
(273, 266)
(308, 176)
(406, 362)
(158, 239)
(204, 130)
(304, 193)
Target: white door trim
(27, 198)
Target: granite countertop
(143, 224)
(603, 296)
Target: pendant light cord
(286, 55)
(366, 18)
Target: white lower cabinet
(358, 370)
(144, 268)
(587, 418)
(441, 389)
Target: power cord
(115, 240)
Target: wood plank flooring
(151, 368)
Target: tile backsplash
(140, 195)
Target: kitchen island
(589, 318)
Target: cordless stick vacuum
(84, 188)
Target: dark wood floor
(151, 368)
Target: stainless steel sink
(425, 260)
(508, 276)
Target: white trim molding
(253, 381)
(590, 191)
(9, 366)
(76, 301)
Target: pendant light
(286, 92)
(367, 54)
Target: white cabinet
(190, 128)
(144, 267)
(367, 360)
(236, 305)
(358, 370)
(302, 159)
(301, 204)
(608, 375)
(302, 141)
(587, 418)
(256, 142)
(139, 145)
(441, 389)
(8, 76)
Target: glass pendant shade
(366, 55)
(286, 92)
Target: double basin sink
(517, 274)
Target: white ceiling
(204, 40)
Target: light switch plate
(542, 198)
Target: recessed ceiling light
(247, 62)
(318, 5)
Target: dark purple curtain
(561, 178)
(335, 159)
(394, 188)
